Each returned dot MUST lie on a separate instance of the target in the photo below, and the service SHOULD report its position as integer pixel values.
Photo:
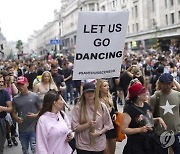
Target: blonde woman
(82, 122)
(45, 85)
(106, 98)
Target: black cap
(166, 78)
(88, 87)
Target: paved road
(17, 150)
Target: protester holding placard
(107, 99)
(82, 122)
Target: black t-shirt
(124, 82)
(67, 72)
(4, 98)
(138, 119)
(30, 76)
(147, 69)
(58, 79)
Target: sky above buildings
(19, 18)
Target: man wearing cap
(25, 109)
(5, 106)
(166, 104)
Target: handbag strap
(135, 107)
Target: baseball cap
(22, 80)
(166, 78)
(136, 89)
(88, 87)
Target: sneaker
(9, 143)
(14, 141)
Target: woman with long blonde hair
(82, 122)
(106, 98)
(45, 85)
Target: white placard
(100, 43)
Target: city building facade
(150, 22)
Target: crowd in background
(56, 72)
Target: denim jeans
(175, 146)
(69, 89)
(26, 139)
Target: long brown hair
(48, 101)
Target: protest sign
(100, 43)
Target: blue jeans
(69, 89)
(175, 146)
(26, 139)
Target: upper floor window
(172, 18)
(137, 27)
(103, 8)
(91, 7)
(136, 11)
(132, 12)
(165, 3)
(179, 15)
(133, 27)
(113, 4)
(166, 19)
(153, 7)
(178, 1)
(172, 2)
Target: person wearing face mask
(53, 130)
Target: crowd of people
(35, 94)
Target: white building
(149, 20)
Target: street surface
(17, 149)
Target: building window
(97, 6)
(137, 27)
(91, 7)
(172, 18)
(128, 28)
(133, 28)
(153, 8)
(178, 1)
(172, 2)
(165, 3)
(166, 19)
(113, 4)
(103, 8)
(179, 15)
(136, 11)
(132, 12)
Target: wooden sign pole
(96, 105)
